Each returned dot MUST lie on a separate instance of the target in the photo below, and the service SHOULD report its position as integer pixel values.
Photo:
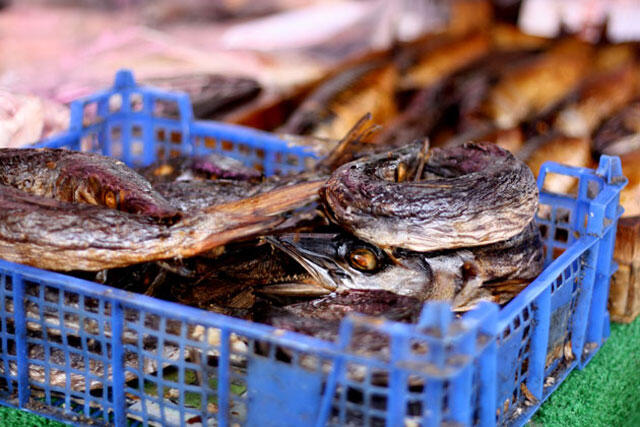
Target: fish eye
(401, 172)
(363, 259)
(110, 200)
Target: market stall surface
(605, 393)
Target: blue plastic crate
(491, 366)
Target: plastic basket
(491, 366)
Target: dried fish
(472, 195)
(447, 56)
(558, 148)
(216, 281)
(620, 134)
(211, 95)
(211, 166)
(71, 176)
(340, 262)
(629, 196)
(510, 37)
(599, 98)
(66, 236)
(321, 317)
(536, 86)
(332, 108)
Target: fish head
(115, 186)
(340, 262)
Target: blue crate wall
(561, 311)
(8, 369)
(172, 364)
(141, 125)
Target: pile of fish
(425, 224)
(379, 235)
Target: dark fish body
(468, 195)
(321, 317)
(519, 258)
(206, 281)
(71, 176)
(467, 89)
(211, 166)
(194, 196)
(211, 95)
(369, 302)
(191, 196)
(56, 235)
(416, 121)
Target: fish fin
(294, 289)
(243, 228)
(273, 202)
(359, 133)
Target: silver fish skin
(341, 262)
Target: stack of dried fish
(291, 251)
(91, 213)
(542, 99)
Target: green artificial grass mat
(15, 417)
(605, 393)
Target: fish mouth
(317, 254)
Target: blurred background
(254, 52)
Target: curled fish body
(468, 195)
